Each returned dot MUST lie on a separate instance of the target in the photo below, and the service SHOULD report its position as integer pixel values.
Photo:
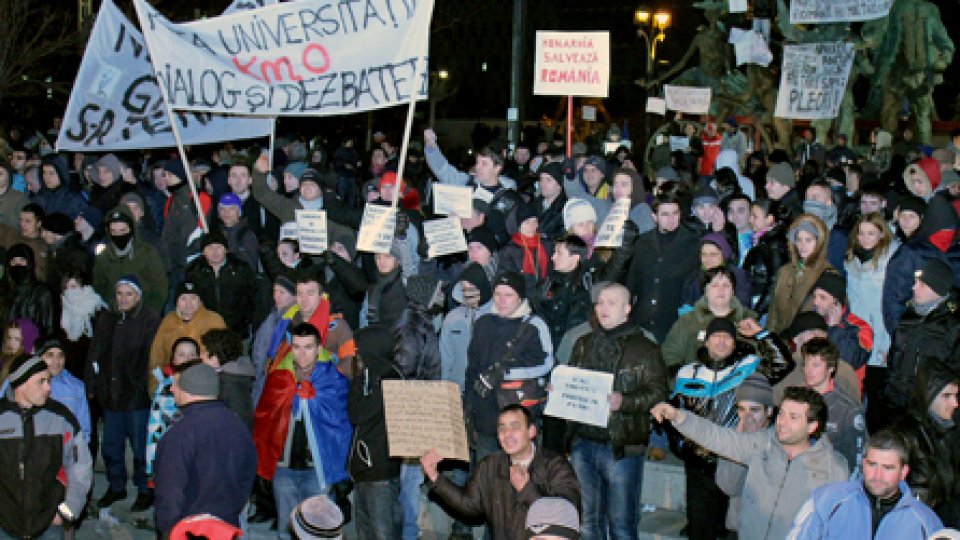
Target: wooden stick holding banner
(569, 126)
(398, 193)
(273, 140)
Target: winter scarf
(79, 305)
(535, 259)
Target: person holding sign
(507, 482)
(611, 458)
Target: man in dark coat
(225, 283)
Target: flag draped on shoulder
(116, 104)
(307, 58)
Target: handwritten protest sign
(580, 395)
(750, 47)
(376, 228)
(310, 57)
(116, 104)
(572, 64)
(421, 415)
(452, 200)
(289, 230)
(312, 230)
(656, 105)
(610, 233)
(444, 236)
(687, 99)
(826, 11)
(813, 80)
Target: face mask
(19, 274)
(121, 241)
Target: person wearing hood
(117, 375)
(715, 252)
(222, 349)
(109, 185)
(819, 202)
(930, 429)
(180, 224)
(550, 202)
(509, 344)
(57, 195)
(125, 253)
(795, 281)
(473, 293)
(375, 473)
(11, 200)
(26, 296)
(929, 328)
(730, 159)
(781, 186)
(140, 210)
(67, 254)
(386, 299)
(225, 283)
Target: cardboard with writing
(312, 231)
(444, 236)
(581, 395)
(421, 415)
(610, 233)
(376, 228)
(452, 200)
(572, 64)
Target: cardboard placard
(452, 200)
(572, 64)
(679, 143)
(312, 231)
(813, 80)
(444, 236)
(610, 233)
(580, 395)
(376, 228)
(289, 230)
(687, 99)
(421, 415)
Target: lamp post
(651, 27)
(439, 81)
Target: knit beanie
(554, 170)
(57, 223)
(721, 324)
(200, 380)
(834, 285)
(782, 173)
(23, 367)
(578, 211)
(317, 517)
(755, 388)
(553, 517)
(514, 281)
(912, 203)
(937, 275)
(175, 167)
(483, 236)
(112, 164)
(288, 283)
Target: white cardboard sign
(444, 236)
(813, 80)
(580, 395)
(312, 231)
(452, 200)
(610, 233)
(687, 99)
(572, 64)
(377, 228)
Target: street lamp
(651, 24)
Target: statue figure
(913, 51)
(715, 56)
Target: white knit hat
(577, 211)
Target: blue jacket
(901, 270)
(70, 391)
(205, 464)
(842, 511)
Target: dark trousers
(120, 427)
(706, 505)
(378, 516)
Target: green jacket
(142, 260)
(687, 334)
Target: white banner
(580, 395)
(826, 11)
(376, 228)
(687, 99)
(312, 231)
(750, 47)
(572, 64)
(610, 233)
(452, 200)
(309, 58)
(246, 5)
(444, 236)
(656, 105)
(116, 104)
(813, 80)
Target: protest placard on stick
(452, 200)
(422, 415)
(610, 233)
(376, 228)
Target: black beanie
(938, 276)
(834, 285)
(23, 367)
(375, 342)
(514, 281)
(484, 236)
(721, 324)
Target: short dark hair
(668, 193)
(825, 349)
(35, 209)
(574, 244)
(305, 330)
(223, 343)
(494, 155)
(887, 439)
(816, 408)
(516, 407)
(182, 340)
(310, 277)
(709, 275)
(293, 242)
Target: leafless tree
(38, 38)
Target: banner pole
(406, 136)
(273, 138)
(569, 126)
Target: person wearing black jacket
(768, 254)
(23, 295)
(549, 204)
(375, 474)
(224, 283)
(116, 374)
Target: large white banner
(572, 64)
(687, 99)
(813, 80)
(826, 11)
(116, 103)
(309, 58)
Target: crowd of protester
(785, 323)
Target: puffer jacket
(864, 281)
(917, 340)
(933, 451)
(456, 333)
(639, 375)
(776, 486)
(46, 462)
(141, 259)
(65, 199)
(418, 349)
(489, 493)
(117, 369)
(229, 293)
(687, 335)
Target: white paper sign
(376, 228)
(115, 103)
(312, 230)
(679, 143)
(572, 64)
(739, 6)
(589, 113)
(444, 236)
(309, 58)
(813, 80)
(580, 395)
(824, 11)
(656, 105)
(687, 99)
(610, 233)
(750, 47)
(452, 200)
(289, 230)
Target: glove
(403, 223)
(340, 493)
(488, 380)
